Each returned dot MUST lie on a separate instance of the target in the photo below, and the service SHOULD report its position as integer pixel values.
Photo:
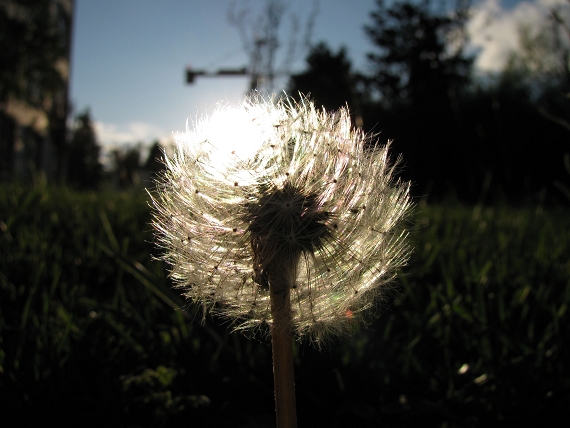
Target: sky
(129, 56)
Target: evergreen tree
(327, 80)
(84, 169)
(127, 162)
(154, 163)
(420, 52)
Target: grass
(91, 333)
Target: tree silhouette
(127, 162)
(541, 68)
(155, 163)
(327, 80)
(262, 40)
(83, 167)
(420, 53)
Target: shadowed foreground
(91, 333)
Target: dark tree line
(83, 167)
(458, 136)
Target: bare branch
(261, 40)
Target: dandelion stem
(280, 283)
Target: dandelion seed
(305, 196)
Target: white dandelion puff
(280, 192)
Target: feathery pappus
(280, 181)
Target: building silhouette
(35, 46)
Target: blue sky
(129, 56)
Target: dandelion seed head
(250, 187)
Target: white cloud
(493, 29)
(110, 134)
